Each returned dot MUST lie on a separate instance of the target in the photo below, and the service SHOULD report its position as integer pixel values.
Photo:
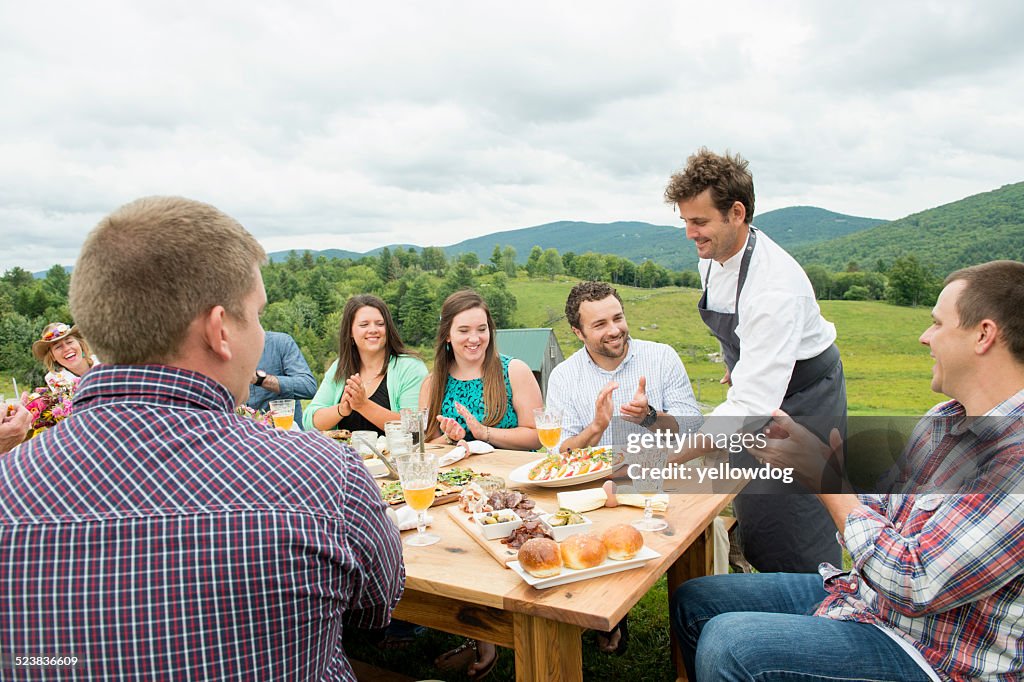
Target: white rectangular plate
(569, 575)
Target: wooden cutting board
(498, 551)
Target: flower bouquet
(50, 404)
(264, 418)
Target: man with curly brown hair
(779, 351)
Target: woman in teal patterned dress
(476, 394)
(473, 392)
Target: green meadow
(888, 372)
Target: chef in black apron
(782, 526)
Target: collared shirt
(779, 323)
(945, 572)
(283, 359)
(574, 384)
(156, 535)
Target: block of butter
(582, 500)
(375, 467)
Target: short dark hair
(994, 291)
(726, 176)
(587, 291)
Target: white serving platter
(569, 575)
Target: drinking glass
(418, 474)
(648, 487)
(283, 413)
(395, 434)
(548, 421)
(415, 422)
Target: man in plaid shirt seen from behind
(936, 591)
(157, 535)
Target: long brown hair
(348, 355)
(495, 397)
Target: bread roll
(622, 541)
(584, 550)
(540, 557)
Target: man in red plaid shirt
(157, 535)
(936, 591)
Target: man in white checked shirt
(642, 382)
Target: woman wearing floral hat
(64, 352)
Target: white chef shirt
(779, 323)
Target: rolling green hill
(888, 371)
(972, 230)
(639, 241)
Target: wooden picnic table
(455, 586)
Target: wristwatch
(652, 416)
(260, 377)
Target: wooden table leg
(546, 650)
(697, 560)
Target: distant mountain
(801, 225)
(637, 241)
(973, 230)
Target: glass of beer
(418, 475)
(548, 421)
(283, 413)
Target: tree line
(306, 292)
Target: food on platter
(565, 517)
(473, 499)
(541, 557)
(449, 484)
(497, 524)
(530, 530)
(585, 550)
(515, 500)
(493, 517)
(565, 523)
(338, 434)
(575, 462)
(622, 541)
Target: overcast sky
(354, 125)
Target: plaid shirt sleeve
(380, 579)
(952, 550)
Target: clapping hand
(451, 428)
(636, 409)
(604, 407)
(355, 393)
(475, 427)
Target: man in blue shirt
(282, 373)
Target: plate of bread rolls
(545, 563)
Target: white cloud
(356, 125)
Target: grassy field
(887, 370)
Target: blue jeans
(758, 627)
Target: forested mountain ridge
(979, 228)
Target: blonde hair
(150, 268)
(54, 366)
(495, 396)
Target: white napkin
(476, 447)
(628, 496)
(405, 517)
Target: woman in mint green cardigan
(374, 376)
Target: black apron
(784, 528)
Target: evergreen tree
(500, 300)
(418, 312)
(496, 258)
(433, 260)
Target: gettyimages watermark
(876, 455)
